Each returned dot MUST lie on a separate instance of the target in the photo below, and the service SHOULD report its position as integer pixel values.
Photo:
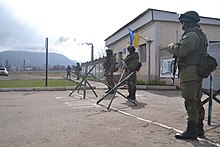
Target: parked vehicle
(3, 71)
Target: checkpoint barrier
(86, 82)
(114, 89)
(211, 85)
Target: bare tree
(102, 53)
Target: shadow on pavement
(140, 105)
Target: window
(115, 55)
(120, 56)
(142, 52)
(124, 50)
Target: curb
(156, 87)
(43, 89)
(139, 87)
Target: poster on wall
(167, 67)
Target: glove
(171, 45)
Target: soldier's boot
(132, 96)
(129, 94)
(199, 129)
(189, 133)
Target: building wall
(171, 32)
(162, 33)
(163, 28)
(212, 32)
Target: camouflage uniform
(188, 52)
(77, 70)
(109, 66)
(132, 62)
(68, 70)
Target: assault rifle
(174, 67)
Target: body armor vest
(194, 58)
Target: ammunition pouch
(197, 56)
(189, 60)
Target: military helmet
(109, 50)
(190, 16)
(131, 48)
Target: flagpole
(46, 47)
(138, 35)
(148, 41)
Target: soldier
(131, 61)
(68, 70)
(77, 70)
(109, 66)
(188, 52)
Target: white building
(162, 27)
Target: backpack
(207, 65)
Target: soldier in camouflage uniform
(132, 62)
(68, 70)
(78, 70)
(188, 52)
(109, 66)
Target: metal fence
(98, 70)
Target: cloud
(17, 35)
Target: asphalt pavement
(56, 118)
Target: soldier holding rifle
(132, 61)
(188, 52)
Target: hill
(33, 59)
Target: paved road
(53, 118)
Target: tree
(102, 53)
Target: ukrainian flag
(134, 38)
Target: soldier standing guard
(131, 61)
(68, 70)
(188, 52)
(78, 70)
(109, 67)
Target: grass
(35, 83)
(151, 82)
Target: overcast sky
(68, 23)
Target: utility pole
(46, 47)
(149, 44)
(92, 50)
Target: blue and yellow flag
(134, 38)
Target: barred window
(142, 52)
(124, 50)
(120, 56)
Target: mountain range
(33, 59)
